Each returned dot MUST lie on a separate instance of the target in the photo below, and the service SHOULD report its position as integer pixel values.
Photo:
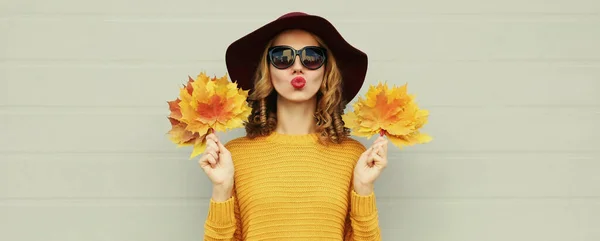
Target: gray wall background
(513, 88)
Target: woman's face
(296, 83)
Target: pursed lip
(298, 82)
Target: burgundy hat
(243, 56)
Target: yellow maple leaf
(391, 112)
(204, 105)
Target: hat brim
(243, 56)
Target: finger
(211, 150)
(370, 160)
(378, 150)
(212, 161)
(382, 151)
(222, 147)
(215, 155)
(380, 140)
(368, 151)
(212, 137)
(374, 148)
(363, 159)
(205, 165)
(379, 161)
(212, 146)
(385, 147)
(382, 144)
(203, 162)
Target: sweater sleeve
(223, 221)
(362, 222)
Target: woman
(297, 175)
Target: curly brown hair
(330, 103)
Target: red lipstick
(298, 82)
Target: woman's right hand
(218, 166)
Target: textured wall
(513, 88)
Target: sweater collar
(293, 138)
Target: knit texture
(291, 187)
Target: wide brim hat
(243, 56)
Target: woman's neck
(296, 118)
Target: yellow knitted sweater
(290, 187)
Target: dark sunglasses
(282, 57)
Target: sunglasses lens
(313, 58)
(282, 57)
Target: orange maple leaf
(391, 112)
(205, 105)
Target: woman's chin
(297, 96)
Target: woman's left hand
(369, 166)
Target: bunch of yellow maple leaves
(206, 105)
(391, 112)
(213, 104)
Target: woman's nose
(297, 66)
